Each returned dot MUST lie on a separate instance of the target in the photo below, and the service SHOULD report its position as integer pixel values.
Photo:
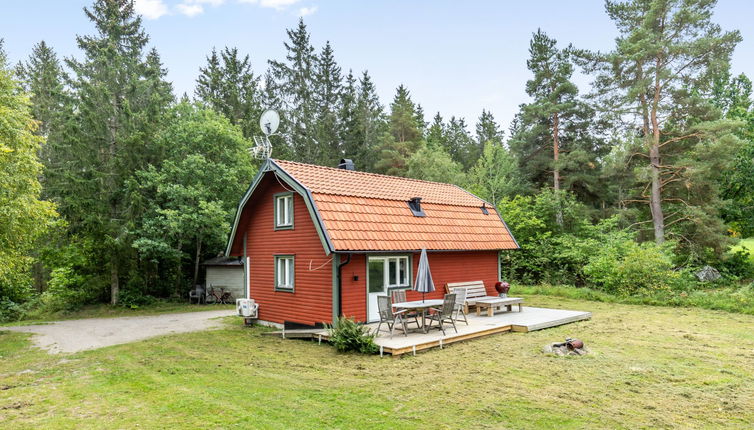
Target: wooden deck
(530, 319)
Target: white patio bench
(475, 290)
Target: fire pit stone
(569, 347)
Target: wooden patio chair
(444, 314)
(460, 306)
(399, 296)
(387, 316)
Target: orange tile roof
(369, 212)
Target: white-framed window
(284, 272)
(283, 211)
(388, 272)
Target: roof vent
(415, 204)
(484, 209)
(346, 164)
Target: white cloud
(150, 9)
(190, 9)
(273, 4)
(306, 11)
(209, 2)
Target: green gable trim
(311, 206)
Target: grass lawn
(651, 367)
(108, 311)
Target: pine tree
(665, 48)
(327, 99)
(487, 130)
(209, 84)
(460, 144)
(293, 85)
(120, 96)
(44, 78)
(370, 122)
(555, 138)
(403, 137)
(348, 120)
(228, 85)
(436, 132)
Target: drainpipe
(340, 285)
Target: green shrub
(132, 298)
(347, 336)
(627, 267)
(66, 291)
(737, 264)
(10, 310)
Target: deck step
(305, 333)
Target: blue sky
(456, 57)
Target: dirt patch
(92, 333)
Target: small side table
(496, 303)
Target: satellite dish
(269, 122)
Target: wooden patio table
(419, 305)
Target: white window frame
(285, 273)
(395, 281)
(283, 211)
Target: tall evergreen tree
(370, 122)
(487, 130)
(228, 85)
(554, 99)
(665, 48)
(348, 130)
(120, 94)
(459, 143)
(555, 138)
(43, 78)
(328, 100)
(403, 137)
(292, 83)
(436, 132)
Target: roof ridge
(369, 173)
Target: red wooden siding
(311, 301)
(445, 266)
(354, 293)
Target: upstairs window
(284, 211)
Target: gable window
(284, 211)
(284, 272)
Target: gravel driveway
(93, 333)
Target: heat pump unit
(247, 308)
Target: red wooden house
(318, 242)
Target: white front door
(384, 273)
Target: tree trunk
(655, 197)
(114, 283)
(196, 259)
(556, 168)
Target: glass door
(384, 273)
(376, 286)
